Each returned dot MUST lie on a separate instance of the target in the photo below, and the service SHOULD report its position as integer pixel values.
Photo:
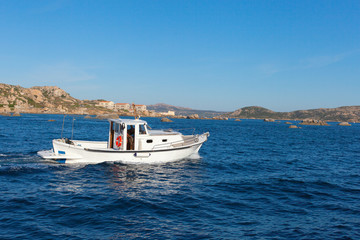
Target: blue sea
(254, 180)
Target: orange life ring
(118, 141)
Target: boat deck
(87, 144)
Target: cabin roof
(128, 121)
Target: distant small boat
(130, 141)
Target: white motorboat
(130, 141)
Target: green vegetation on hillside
(348, 114)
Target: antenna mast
(62, 130)
(72, 131)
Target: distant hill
(162, 107)
(340, 114)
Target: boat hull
(68, 153)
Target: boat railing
(180, 130)
(180, 143)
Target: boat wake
(20, 169)
(195, 156)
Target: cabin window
(149, 141)
(118, 128)
(142, 129)
(164, 140)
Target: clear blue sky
(213, 55)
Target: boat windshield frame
(124, 123)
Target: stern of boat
(60, 153)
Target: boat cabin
(135, 134)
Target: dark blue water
(255, 180)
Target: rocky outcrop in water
(220, 118)
(269, 120)
(193, 116)
(166, 120)
(314, 122)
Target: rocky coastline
(15, 100)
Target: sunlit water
(254, 180)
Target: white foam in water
(195, 156)
(2, 155)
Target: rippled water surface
(254, 180)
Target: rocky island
(313, 116)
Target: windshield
(142, 129)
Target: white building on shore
(168, 113)
(140, 108)
(122, 106)
(106, 104)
